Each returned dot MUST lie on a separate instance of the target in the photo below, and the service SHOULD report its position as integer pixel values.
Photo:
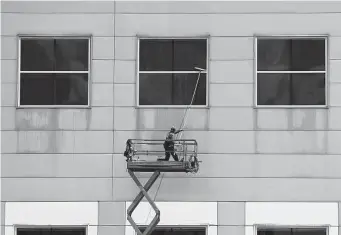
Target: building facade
(80, 78)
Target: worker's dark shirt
(169, 139)
(170, 136)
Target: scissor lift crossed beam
(144, 193)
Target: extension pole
(189, 106)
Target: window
(182, 231)
(291, 71)
(291, 231)
(167, 76)
(54, 71)
(51, 231)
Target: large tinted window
(172, 89)
(51, 231)
(291, 231)
(167, 74)
(291, 71)
(54, 71)
(179, 231)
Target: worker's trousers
(169, 150)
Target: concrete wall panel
(56, 189)
(225, 7)
(205, 189)
(56, 165)
(224, 24)
(58, 24)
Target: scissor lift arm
(151, 148)
(138, 199)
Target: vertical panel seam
(338, 215)
(4, 215)
(244, 219)
(113, 102)
(218, 214)
(98, 218)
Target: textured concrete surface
(227, 230)
(109, 230)
(111, 213)
(231, 213)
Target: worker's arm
(178, 131)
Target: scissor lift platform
(142, 156)
(163, 166)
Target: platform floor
(163, 166)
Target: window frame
(178, 227)
(272, 226)
(19, 72)
(85, 227)
(326, 71)
(170, 72)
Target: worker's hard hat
(173, 128)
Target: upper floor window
(291, 71)
(54, 71)
(166, 72)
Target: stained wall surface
(248, 153)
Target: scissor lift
(143, 156)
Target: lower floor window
(53, 89)
(51, 231)
(178, 231)
(291, 231)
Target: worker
(128, 153)
(169, 145)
